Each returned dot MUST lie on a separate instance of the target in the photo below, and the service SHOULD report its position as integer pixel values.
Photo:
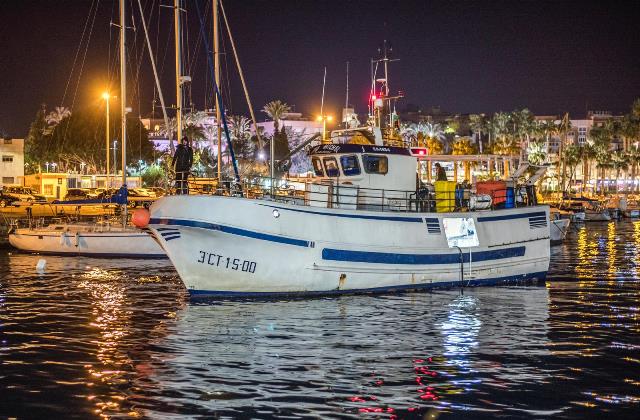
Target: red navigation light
(374, 97)
(418, 151)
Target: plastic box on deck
(445, 195)
(496, 189)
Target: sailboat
(95, 239)
(362, 224)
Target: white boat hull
(82, 240)
(224, 246)
(559, 229)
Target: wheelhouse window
(331, 167)
(317, 166)
(375, 164)
(350, 165)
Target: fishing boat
(363, 223)
(94, 239)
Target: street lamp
(47, 165)
(324, 119)
(53, 166)
(106, 96)
(82, 165)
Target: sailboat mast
(123, 91)
(216, 67)
(176, 24)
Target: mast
(216, 67)
(123, 90)
(176, 24)
(123, 101)
(153, 66)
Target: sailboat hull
(224, 246)
(78, 240)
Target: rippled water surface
(119, 338)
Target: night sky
(465, 56)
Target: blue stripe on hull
(414, 259)
(231, 230)
(512, 216)
(195, 294)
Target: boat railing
(345, 195)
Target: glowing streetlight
(324, 119)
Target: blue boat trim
(195, 294)
(170, 238)
(511, 216)
(422, 259)
(354, 216)
(231, 230)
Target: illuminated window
(331, 167)
(317, 166)
(350, 165)
(375, 164)
(48, 189)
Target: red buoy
(140, 218)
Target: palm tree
(409, 133)
(478, 124)
(572, 157)
(536, 153)
(240, 135)
(168, 131)
(275, 110)
(463, 146)
(57, 115)
(433, 136)
(524, 127)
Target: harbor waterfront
(93, 337)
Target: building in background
(12, 163)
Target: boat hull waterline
(224, 246)
(111, 243)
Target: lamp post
(106, 96)
(324, 119)
(47, 165)
(53, 166)
(82, 165)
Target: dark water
(116, 338)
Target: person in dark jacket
(441, 175)
(181, 164)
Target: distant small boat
(586, 210)
(559, 226)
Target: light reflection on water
(104, 338)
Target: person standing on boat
(441, 175)
(181, 164)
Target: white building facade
(12, 161)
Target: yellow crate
(445, 196)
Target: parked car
(78, 194)
(7, 199)
(158, 191)
(24, 194)
(138, 197)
